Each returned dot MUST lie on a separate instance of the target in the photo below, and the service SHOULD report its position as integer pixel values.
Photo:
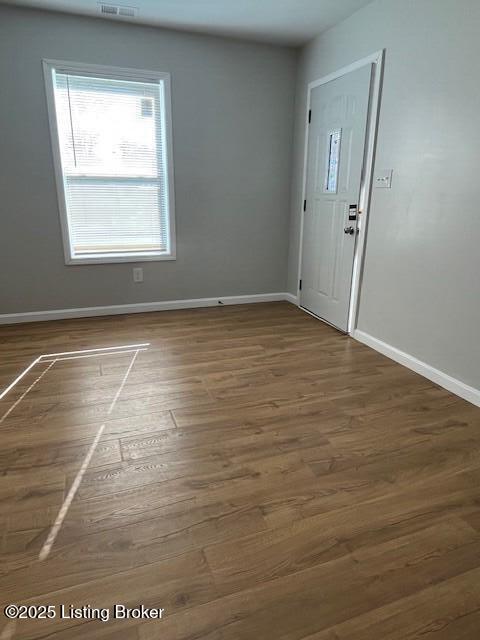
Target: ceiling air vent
(118, 10)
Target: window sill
(110, 259)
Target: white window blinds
(114, 162)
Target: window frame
(121, 73)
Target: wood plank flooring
(253, 472)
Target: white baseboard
(289, 297)
(435, 375)
(140, 307)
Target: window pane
(103, 129)
(114, 215)
(333, 158)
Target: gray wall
(232, 125)
(421, 290)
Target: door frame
(377, 61)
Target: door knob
(349, 230)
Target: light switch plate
(383, 179)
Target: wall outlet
(137, 274)
(383, 179)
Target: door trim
(377, 60)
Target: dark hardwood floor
(250, 470)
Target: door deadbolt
(349, 230)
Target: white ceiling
(292, 22)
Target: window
(333, 157)
(112, 149)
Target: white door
(336, 149)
